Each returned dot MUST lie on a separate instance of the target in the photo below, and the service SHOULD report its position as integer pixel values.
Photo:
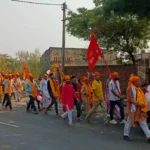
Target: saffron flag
(60, 71)
(93, 52)
(25, 72)
(53, 68)
(7, 70)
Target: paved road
(40, 132)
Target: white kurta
(46, 96)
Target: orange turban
(30, 76)
(17, 74)
(97, 74)
(134, 79)
(67, 77)
(6, 75)
(115, 74)
(13, 75)
(45, 75)
(10, 75)
(85, 79)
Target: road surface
(20, 130)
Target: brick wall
(124, 71)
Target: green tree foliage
(126, 34)
(30, 59)
(140, 8)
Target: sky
(27, 27)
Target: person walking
(98, 99)
(68, 95)
(137, 108)
(30, 88)
(51, 86)
(115, 98)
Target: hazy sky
(26, 26)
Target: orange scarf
(9, 87)
(34, 89)
(1, 88)
(53, 87)
(89, 92)
(140, 98)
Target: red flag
(93, 52)
(25, 72)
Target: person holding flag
(115, 98)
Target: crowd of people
(85, 95)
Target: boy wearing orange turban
(137, 108)
(87, 93)
(115, 98)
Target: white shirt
(6, 85)
(147, 95)
(16, 85)
(113, 87)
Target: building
(3, 56)
(73, 57)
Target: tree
(126, 35)
(31, 60)
(140, 8)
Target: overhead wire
(36, 3)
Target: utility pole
(64, 7)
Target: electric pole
(64, 7)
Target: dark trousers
(78, 108)
(148, 114)
(8, 101)
(4, 100)
(38, 103)
(31, 104)
(54, 102)
(112, 107)
(13, 95)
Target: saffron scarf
(53, 87)
(89, 92)
(9, 87)
(34, 89)
(140, 98)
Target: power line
(29, 2)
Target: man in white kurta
(44, 90)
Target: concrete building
(73, 57)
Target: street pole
(63, 35)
